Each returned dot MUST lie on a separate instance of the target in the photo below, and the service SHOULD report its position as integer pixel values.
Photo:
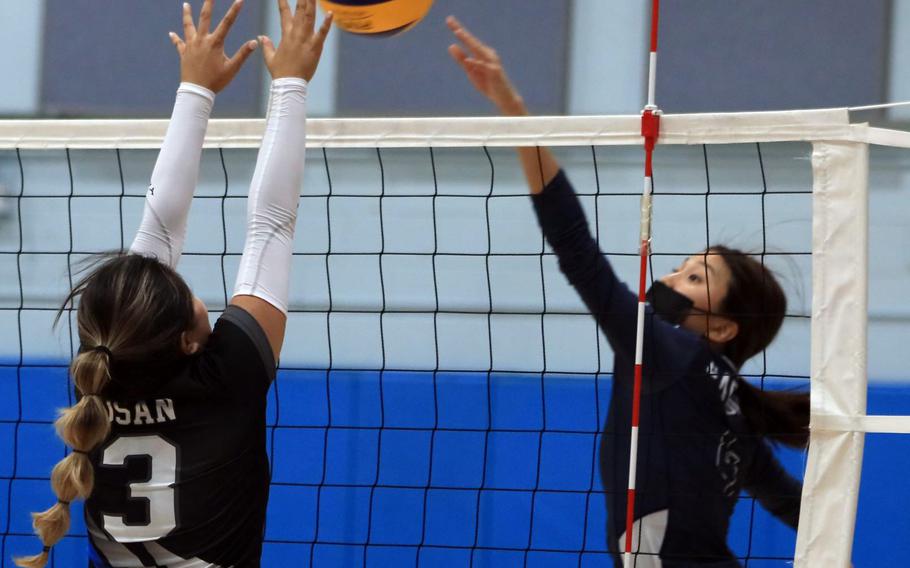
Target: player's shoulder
(238, 346)
(674, 348)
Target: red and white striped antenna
(650, 130)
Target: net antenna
(650, 130)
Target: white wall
(898, 78)
(20, 67)
(608, 57)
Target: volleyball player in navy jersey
(168, 435)
(704, 430)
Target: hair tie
(103, 349)
(46, 549)
(83, 452)
(64, 503)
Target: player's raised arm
(264, 274)
(133, 309)
(204, 71)
(485, 71)
(558, 210)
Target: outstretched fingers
(189, 28)
(236, 62)
(227, 22)
(205, 17)
(305, 14)
(458, 54)
(202, 57)
(477, 47)
(268, 47)
(178, 43)
(286, 18)
(468, 63)
(483, 67)
(301, 43)
(324, 28)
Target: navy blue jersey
(183, 478)
(696, 450)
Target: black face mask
(668, 303)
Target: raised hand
(202, 57)
(301, 44)
(484, 69)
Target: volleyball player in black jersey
(704, 430)
(168, 436)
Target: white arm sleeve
(265, 267)
(167, 203)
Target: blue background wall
(499, 464)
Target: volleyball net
(442, 388)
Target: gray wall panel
(107, 58)
(717, 55)
(412, 73)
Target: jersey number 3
(157, 489)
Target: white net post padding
(838, 362)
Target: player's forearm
(539, 164)
(163, 228)
(563, 223)
(274, 196)
(562, 220)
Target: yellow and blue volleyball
(377, 17)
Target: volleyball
(377, 17)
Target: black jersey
(183, 478)
(696, 451)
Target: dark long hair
(132, 312)
(757, 303)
